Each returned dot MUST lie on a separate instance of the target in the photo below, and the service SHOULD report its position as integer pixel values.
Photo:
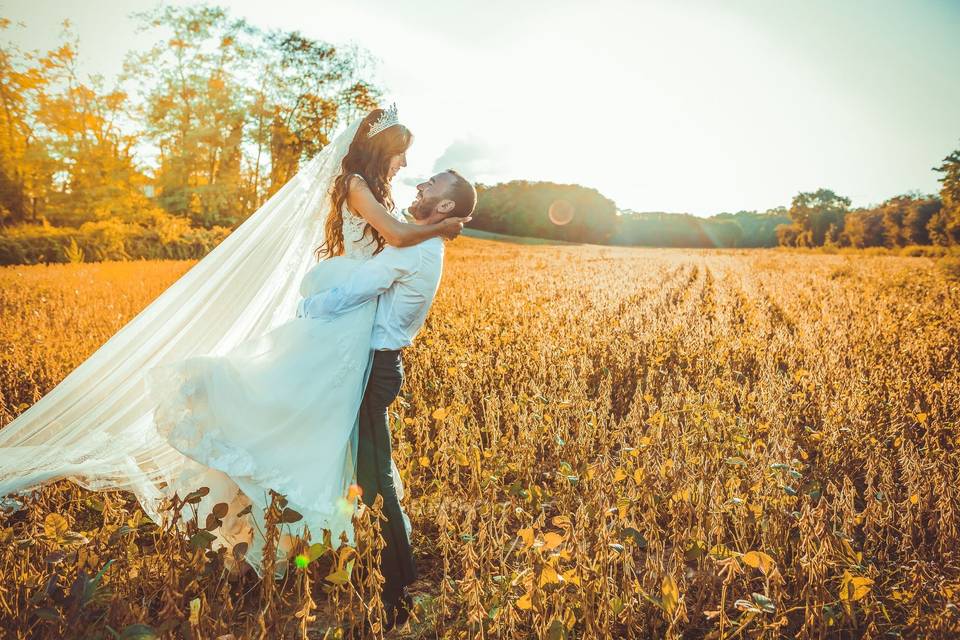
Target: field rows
(602, 442)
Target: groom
(406, 280)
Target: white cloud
(474, 158)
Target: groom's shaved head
(463, 194)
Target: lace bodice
(356, 246)
(355, 243)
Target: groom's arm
(368, 281)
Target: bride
(216, 384)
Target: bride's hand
(450, 228)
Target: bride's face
(396, 162)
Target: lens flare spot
(302, 561)
(560, 212)
(355, 491)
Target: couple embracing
(306, 405)
(219, 383)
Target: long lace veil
(95, 427)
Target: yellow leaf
(424, 461)
(548, 575)
(340, 577)
(527, 536)
(55, 525)
(525, 601)
(408, 420)
(721, 552)
(462, 459)
(669, 594)
(619, 475)
(666, 467)
(758, 560)
(645, 441)
(921, 418)
(570, 575)
(854, 588)
(551, 541)
(451, 370)
(440, 414)
(561, 521)
(914, 499)
(638, 475)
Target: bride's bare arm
(393, 231)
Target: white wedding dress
(278, 412)
(217, 383)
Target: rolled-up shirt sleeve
(368, 281)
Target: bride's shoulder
(356, 181)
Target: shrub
(158, 237)
(923, 251)
(74, 253)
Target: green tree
(814, 213)
(234, 110)
(311, 87)
(194, 108)
(917, 219)
(894, 211)
(944, 226)
(864, 228)
(522, 208)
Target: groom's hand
(450, 228)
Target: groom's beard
(423, 209)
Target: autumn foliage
(209, 118)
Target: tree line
(522, 208)
(813, 219)
(197, 132)
(824, 219)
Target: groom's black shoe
(398, 612)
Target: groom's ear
(446, 206)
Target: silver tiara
(387, 119)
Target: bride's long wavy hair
(370, 157)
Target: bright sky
(689, 106)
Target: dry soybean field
(595, 443)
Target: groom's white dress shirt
(405, 278)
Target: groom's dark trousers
(373, 470)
